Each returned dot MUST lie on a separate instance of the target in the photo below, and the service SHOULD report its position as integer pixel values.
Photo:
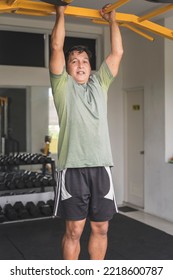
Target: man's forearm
(115, 38)
(58, 33)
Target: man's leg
(98, 240)
(71, 239)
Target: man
(84, 153)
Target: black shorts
(85, 192)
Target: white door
(134, 152)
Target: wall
(168, 95)
(38, 117)
(144, 65)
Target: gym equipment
(18, 182)
(45, 208)
(16, 179)
(23, 159)
(139, 25)
(58, 2)
(50, 202)
(2, 181)
(21, 211)
(10, 212)
(33, 209)
(19, 179)
(2, 216)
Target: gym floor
(41, 238)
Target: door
(134, 152)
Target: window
(21, 49)
(53, 124)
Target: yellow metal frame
(130, 21)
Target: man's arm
(114, 58)
(57, 60)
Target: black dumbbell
(52, 182)
(33, 210)
(2, 186)
(2, 216)
(18, 182)
(28, 179)
(50, 202)
(44, 180)
(16, 159)
(2, 176)
(36, 180)
(10, 212)
(9, 185)
(2, 181)
(45, 209)
(21, 210)
(40, 203)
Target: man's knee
(100, 228)
(74, 229)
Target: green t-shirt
(82, 111)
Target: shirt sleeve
(104, 76)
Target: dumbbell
(50, 202)
(33, 210)
(2, 216)
(10, 160)
(18, 182)
(27, 178)
(2, 181)
(9, 185)
(2, 186)
(44, 180)
(36, 180)
(21, 211)
(3, 160)
(40, 180)
(51, 182)
(10, 212)
(45, 209)
(16, 159)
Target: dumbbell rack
(23, 187)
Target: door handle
(142, 152)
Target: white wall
(38, 117)
(168, 94)
(144, 65)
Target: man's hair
(80, 49)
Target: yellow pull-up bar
(130, 21)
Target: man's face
(78, 66)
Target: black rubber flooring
(41, 240)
